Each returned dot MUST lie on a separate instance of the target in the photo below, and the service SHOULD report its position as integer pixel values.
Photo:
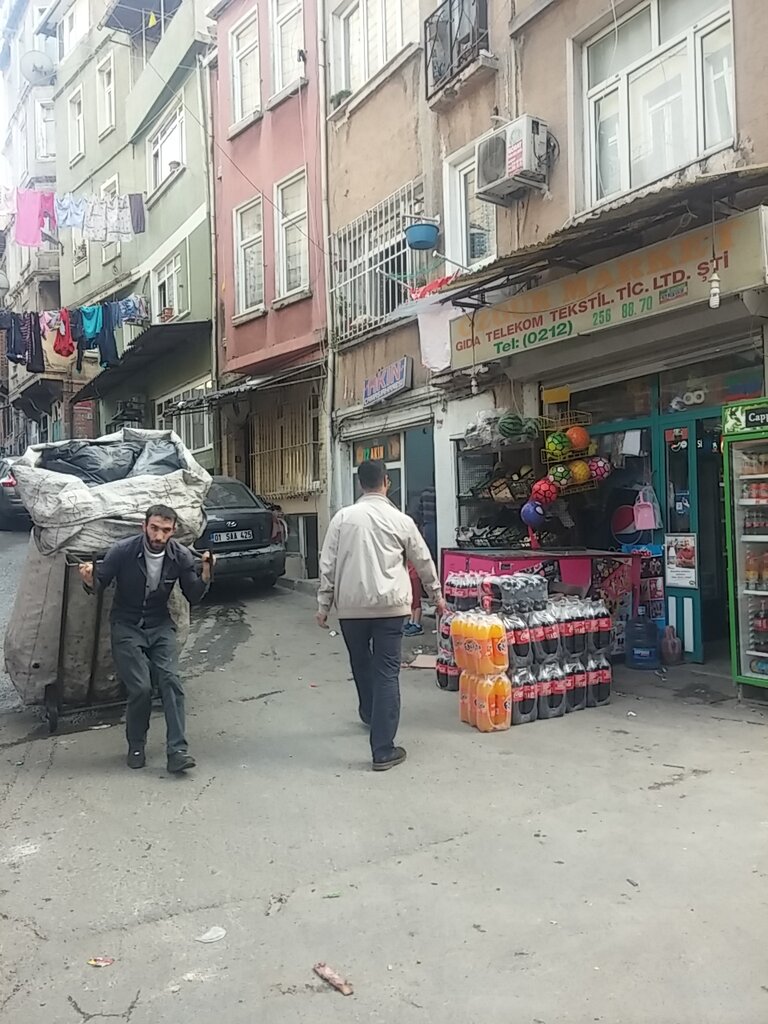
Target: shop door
(692, 503)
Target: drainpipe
(205, 99)
(330, 391)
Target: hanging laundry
(116, 313)
(7, 201)
(92, 322)
(134, 309)
(95, 221)
(64, 344)
(138, 215)
(14, 343)
(30, 326)
(50, 321)
(119, 228)
(48, 212)
(28, 204)
(78, 334)
(70, 210)
(106, 338)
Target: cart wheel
(52, 708)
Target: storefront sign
(392, 380)
(737, 418)
(681, 560)
(670, 275)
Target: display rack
(750, 511)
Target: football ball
(532, 515)
(560, 474)
(545, 491)
(579, 438)
(599, 468)
(558, 444)
(580, 472)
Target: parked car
(12, 509)
(246, 534)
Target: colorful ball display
(579, 438)
(599, 468)
(557, 444)
(580, 473)
(532, 515)
(560, 474)
(545, 491)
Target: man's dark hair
(371, 474)
(162, 512)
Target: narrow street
(605, 867)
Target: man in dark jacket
(145, 569)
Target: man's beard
(156, 546)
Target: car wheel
(6, 523)
(265, 582)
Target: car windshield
(231, 494)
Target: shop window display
(731, 378)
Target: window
(76, 126)
(367, 34)
(287, 40)
(373, 268)
(470, 229)
(292, 242)
(249, 257)
(22, 148)
(195, 427)
(169, 300)
(166, 148)
(72, 27)
(111, 250)
(45, 130)
(659, 88)
(231, 494)
(105, 76)
(246, 84)
(284, 456)
(80, 256)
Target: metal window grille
(285, 444)
(373, 268)
(454, 35)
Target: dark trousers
(141, 654)
(375, 650)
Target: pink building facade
(271, 315)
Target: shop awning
(250, 385)
(156, 341)
(613, 229)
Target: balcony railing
(454, 35)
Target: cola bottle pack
(518, 639)
(441, 669)
(599, 680)
(524, 696)
(491, 594)
(579, 616)
(545, 633)
(602, 636)
(576, 684)
(551, 690)
(444, 641)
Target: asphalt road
(13, 548)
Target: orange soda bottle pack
(515, 654)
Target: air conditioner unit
(511, 161)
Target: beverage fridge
(745, 457)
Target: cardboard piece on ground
(424, 661)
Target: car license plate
(225, 538)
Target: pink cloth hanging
(28, 217)
(48, 211)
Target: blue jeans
(141, 654)
(375, 650)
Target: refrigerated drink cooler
(745, 457)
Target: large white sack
(70, 515)
(35, 626)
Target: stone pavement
(611, 866)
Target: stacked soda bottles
(556, 648)
(480, 650)
(462, 593)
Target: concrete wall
(355, 363)
(252, 158)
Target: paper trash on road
(333, 978)
(101, 961)
(212, 935)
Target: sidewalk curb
(302, 586)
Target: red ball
(579, 438)
(545, 491)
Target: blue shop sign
(389, 381)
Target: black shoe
(397, 757)
(180, 762)
(136, 757)
(365, 720)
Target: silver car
(12, 510)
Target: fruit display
(512, 427)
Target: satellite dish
(37, 67)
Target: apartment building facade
(132, 119)
(267, 153)
(542, 139)
(37, 403)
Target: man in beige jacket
(363, 571)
